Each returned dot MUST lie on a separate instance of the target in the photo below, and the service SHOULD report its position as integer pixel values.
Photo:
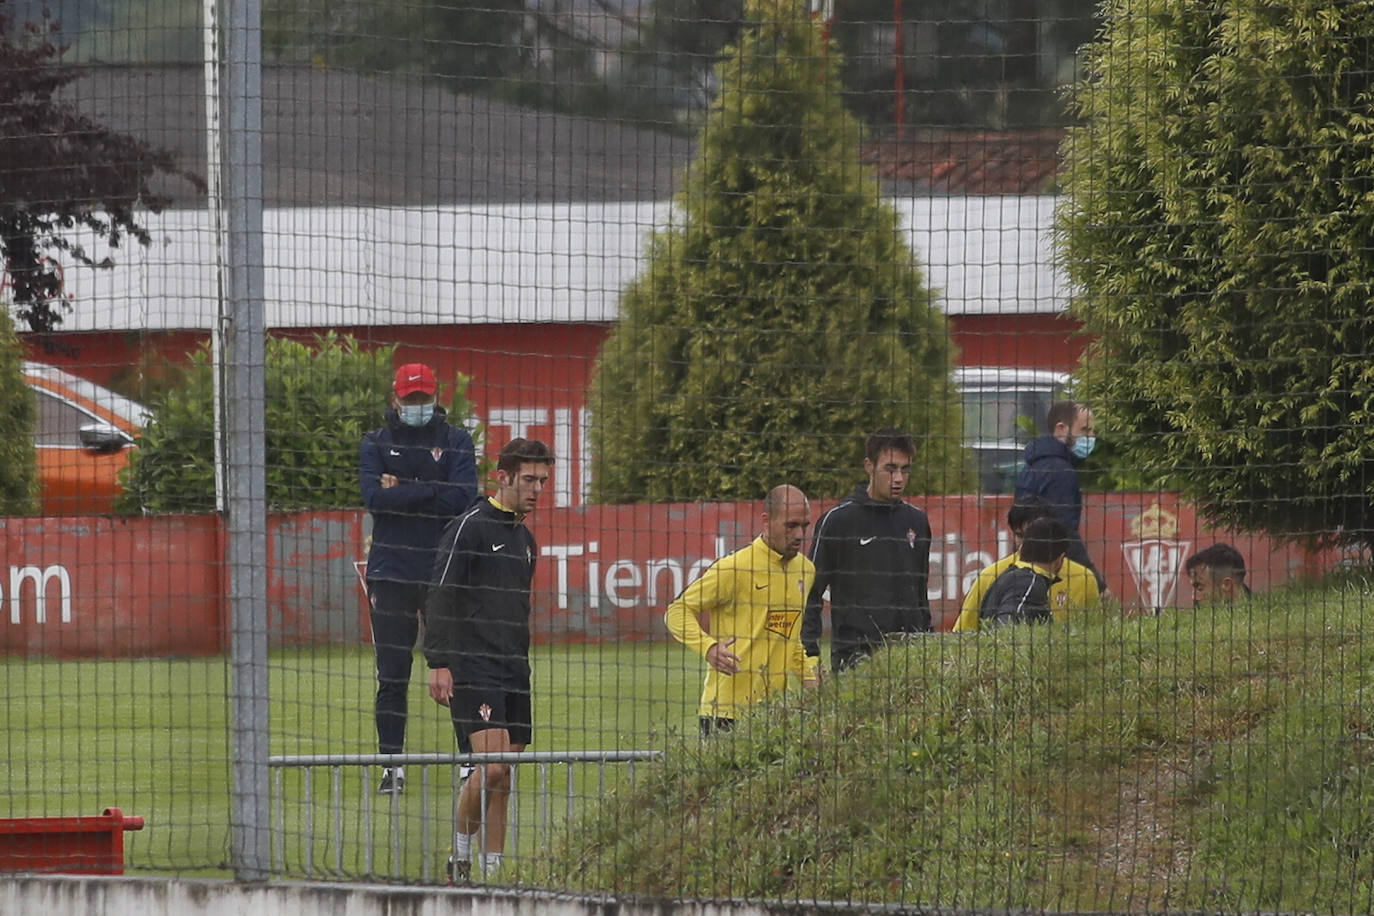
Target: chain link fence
(1080, 630)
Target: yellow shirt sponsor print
(783, 622)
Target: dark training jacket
(477, 614)
(436, 465)
(1051, 474)
(1021, 594)
(874, 557)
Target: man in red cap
(417, 472)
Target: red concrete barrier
(66, 845)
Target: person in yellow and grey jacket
(744, 614)
(1022, 593)
(1075, 590)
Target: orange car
(83, 436)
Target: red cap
(413, 377)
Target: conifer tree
(18, 415)
(1217, 226)
(782, 316)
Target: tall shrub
(18, 415)
(783, 316)
(1217, 224)
(322, 397)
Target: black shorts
(478, 708)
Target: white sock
(491, 861)
(462, 847)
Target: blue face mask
(416, 414)
(1083, 446)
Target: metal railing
(349, 830)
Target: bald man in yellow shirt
(744, 614)
(1074, 590)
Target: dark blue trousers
(396, 610)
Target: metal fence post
(243, 382)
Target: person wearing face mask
(417, 472)
(1051, 473)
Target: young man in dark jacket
(477, 638)
(1021, 594)
(417, 472)
(1051, 473)
(872, 551)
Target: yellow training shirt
(752, 596)
(1076, 590)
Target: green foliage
(478, 42)
(134, 31)
(59, 171)
(18, 414)
(783, 317)
(976, 64)
(1217, 225)
(986, 66)
(321, 398)
(676, 48)
(1200, 762)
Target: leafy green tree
(472, 43)
(1217, 225)
(783, 317)
(18, 414)
(677, 47)
(966, 63)
(322, 397)
(59, 170)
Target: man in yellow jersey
(1076, 589)
(744, 614)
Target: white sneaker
(393, 781)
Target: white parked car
(999, 403)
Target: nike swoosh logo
(395, 454)
(757, 587)
(496, 547)
(864, 542)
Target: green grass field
(152, 737)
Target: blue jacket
(436, 465)
(1051, 473)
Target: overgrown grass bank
(1212, 761)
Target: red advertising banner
(110, 587)
(107, 587)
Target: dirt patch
(1142, 850)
